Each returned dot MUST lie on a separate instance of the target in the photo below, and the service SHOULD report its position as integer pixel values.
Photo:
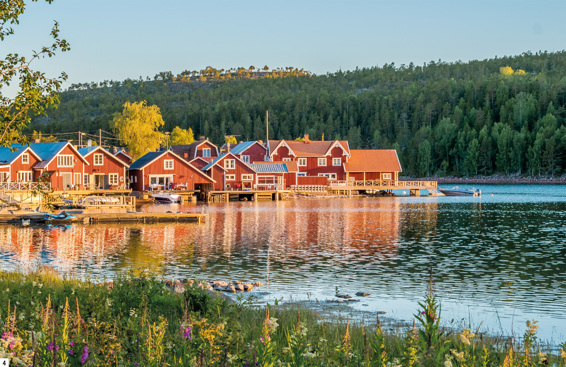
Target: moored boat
(460, 191)
(166, 198)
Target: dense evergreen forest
(499, 116)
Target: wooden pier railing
(382, 185)
(24, 186)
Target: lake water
(498, 259)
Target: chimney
(37, 141)
(306, 138)
(227, 147)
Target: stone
(248, 287)
(258, 284)
(179, 288)
(344, 296)
(168, 283)
(362, 294)
(239, 287)
(219, 284)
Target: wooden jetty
(249, 195)
(89, 218)
(387, 186)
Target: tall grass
(52, 320)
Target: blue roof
(6, 154)
(87, 150)
(207, 167)
(240, 148)
(269, 167)
(47, 151)
(146, 159)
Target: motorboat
(166, 198)
(460, 191)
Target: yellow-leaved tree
(137, 128)
(182, 137)
(506, 70)
(230, 139)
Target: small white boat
(460, 191)
(166, 198)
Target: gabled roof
(150, 157)
(86, 151)
(269, 167)
(123, 152)
(243, 146)
(217, 159)
(192, 148)
(48, 151)
(310, 148)
(292, 166)
(7, 156)
(373, 160)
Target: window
(331, 176)
(322, 162)
(3, 176)
(246, 158)
(206, 152)
(336, 161)
(25, 158)
(301, 162)
(113, 179)
(86, 180)
(247, 177)
(168, 164)
(65, 160)
(24, 176)
(286, 159)
(230, 163)
(230, 177)
(77, 178)
(98, 159)
(386, 176)
(302, 174)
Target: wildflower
(7, 289)
(40, 285)
(71, 343)
(447, 363)
(70, 351)
(4, 336)
(50, 346)
(187, 333)
(84, 356)
(11, 346)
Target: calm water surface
(498, 259)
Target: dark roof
(146, 159)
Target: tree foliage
(476, 117)
(36, 92)
(182, 136)
(137, 128)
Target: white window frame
(25, 176)
(98, 159)
(246, 158)
(247, 177)
(25, 158)
(168, 164)
(302, 174)
(286, 159)
(336, 162)
(113, 179)
(331, 176)
(301, 162)
(4, 176)
(386, 176)
(229, 163)
(86, 179)
(78, 178)
(65, 160)
(231, 177)
(323, 160)
(206, 152)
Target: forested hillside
(503, 115)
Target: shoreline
(504, 180)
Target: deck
(386, 185)
(139, 217)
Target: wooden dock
(241, 195)
(138, 217)
(414, 187)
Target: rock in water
(345, 296)
(362, 294)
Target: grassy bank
(50, 320)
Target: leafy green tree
(36, 92)
(182, 136)
(137, 128)
(425, 158)
(472, 158)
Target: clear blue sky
(122, 39)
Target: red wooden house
(250, 151)
(104, 170)
(201, 148)
(237, 174)
(164, 170)
(61, 164)
(123, 156)
(17, 165)
(382, 165)
(314, 158)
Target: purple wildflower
(187, 333)
(4, 336)
(71, 343)
(11, 346)
(50, 346)
(71, 352)
(84, 356)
